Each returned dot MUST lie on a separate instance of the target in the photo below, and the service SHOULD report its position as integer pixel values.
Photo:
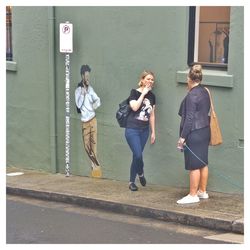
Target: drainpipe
(52, 89)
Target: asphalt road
(32, 221)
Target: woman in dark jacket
(195, 135)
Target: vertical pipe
(52, 89)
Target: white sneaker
(202, 195)
(188, 199)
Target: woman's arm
(136, 104)
(152, 125)
(190, 107)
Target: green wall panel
(118, 43)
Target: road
(33, 221)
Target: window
(9, 55)
(209, 35)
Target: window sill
(210, 78)
(11, 66)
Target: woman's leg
(144, 137)
(203, 179)
(134, 141)
(194, 178)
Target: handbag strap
(211, 100)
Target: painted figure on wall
(87, 101)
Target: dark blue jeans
(136, 139)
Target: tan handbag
(216, 136)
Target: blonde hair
(144, 74)
(195, 73)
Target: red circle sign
(66, 29)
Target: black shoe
(142, 180)
(133, 187)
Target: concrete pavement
(221, 211)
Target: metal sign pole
(66, 46)
(67, 115)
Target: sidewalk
(221, 211)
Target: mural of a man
(87, 102)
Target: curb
(236, 226)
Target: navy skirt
(197, 142)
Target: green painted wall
(28, 91)
(118, 43)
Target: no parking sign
(66, 37)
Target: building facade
(118, 43)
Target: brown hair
(195, 73)
(144, 74)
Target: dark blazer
(194, 111)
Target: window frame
(192, 37)
(9, 46)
